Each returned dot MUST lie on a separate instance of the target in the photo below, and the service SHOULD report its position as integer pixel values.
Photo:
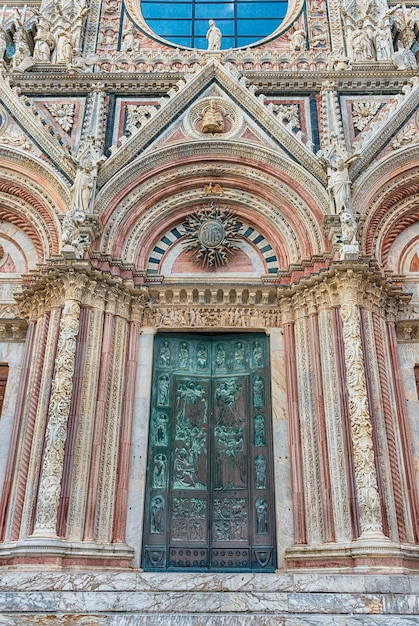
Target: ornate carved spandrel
(230, 519)
(259, 433)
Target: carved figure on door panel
(161, 438)
(157, 515)
(260, 472)
(238, 356)
(261, 516)
(259, 430)
(257, 355)
(230, 458)
(226, 395)
(191, 404)
(159, 472)
(202, 358)
(258, 391)
(165, 355)
(183, 355)
(220, 358)
(163, 390)
(185, 471)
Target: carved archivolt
(289, 214)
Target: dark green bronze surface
(209, 503)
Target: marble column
(361, 429)
(56, 433)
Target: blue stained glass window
(185, 22)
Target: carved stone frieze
(211, 317)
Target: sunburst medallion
(211, 235)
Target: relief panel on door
(209, 503)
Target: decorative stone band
(361, 429)
(56, 432)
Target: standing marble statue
(22, 58)
(213, 36)
(339, 187)
(362, 46)
(129, 43)
(44, 43)
(383, 42)
(297, 40)
(82, 189)
(64, 45)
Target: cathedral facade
(209, 313)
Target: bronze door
(209, 500)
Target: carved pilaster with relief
(361, 428)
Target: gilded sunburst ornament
(211, 235)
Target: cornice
(158, 83)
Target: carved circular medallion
(211, 234)
(213, 117)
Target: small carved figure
(159, 472)
(201, 357)
(183, 355)
(22, 52)
(64, 45)
(129, 42)
(82, 189)
(161, 430)
(257, 355)
(156, 513)
(259, 430)
(220, 358)
(163, 390)
(212, 121)
(213, 36)
(165, 355)
(339, 187)
(362, 45)
(349, 228)
(71, 230)
(260, 472)
(238, 356)
(383, 43)
(261, 516)
(258, 391)
(297, 40)
(44, 43)
(404, 59)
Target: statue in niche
(44, 42)
(165, 355)
(64, 45)
(260, 472)
(213, 36)
(162, 438)
(82, 189)
(239, 356)
(257, 355)
(258, 391)
(212, 121)
(129, 42)
(259, 430)
(220, 358)
(163, 390)
(157, 515)
(261, 516)
(159, 472)
(362, 45)
(22, 57)
(202, 357)
(184, 355)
